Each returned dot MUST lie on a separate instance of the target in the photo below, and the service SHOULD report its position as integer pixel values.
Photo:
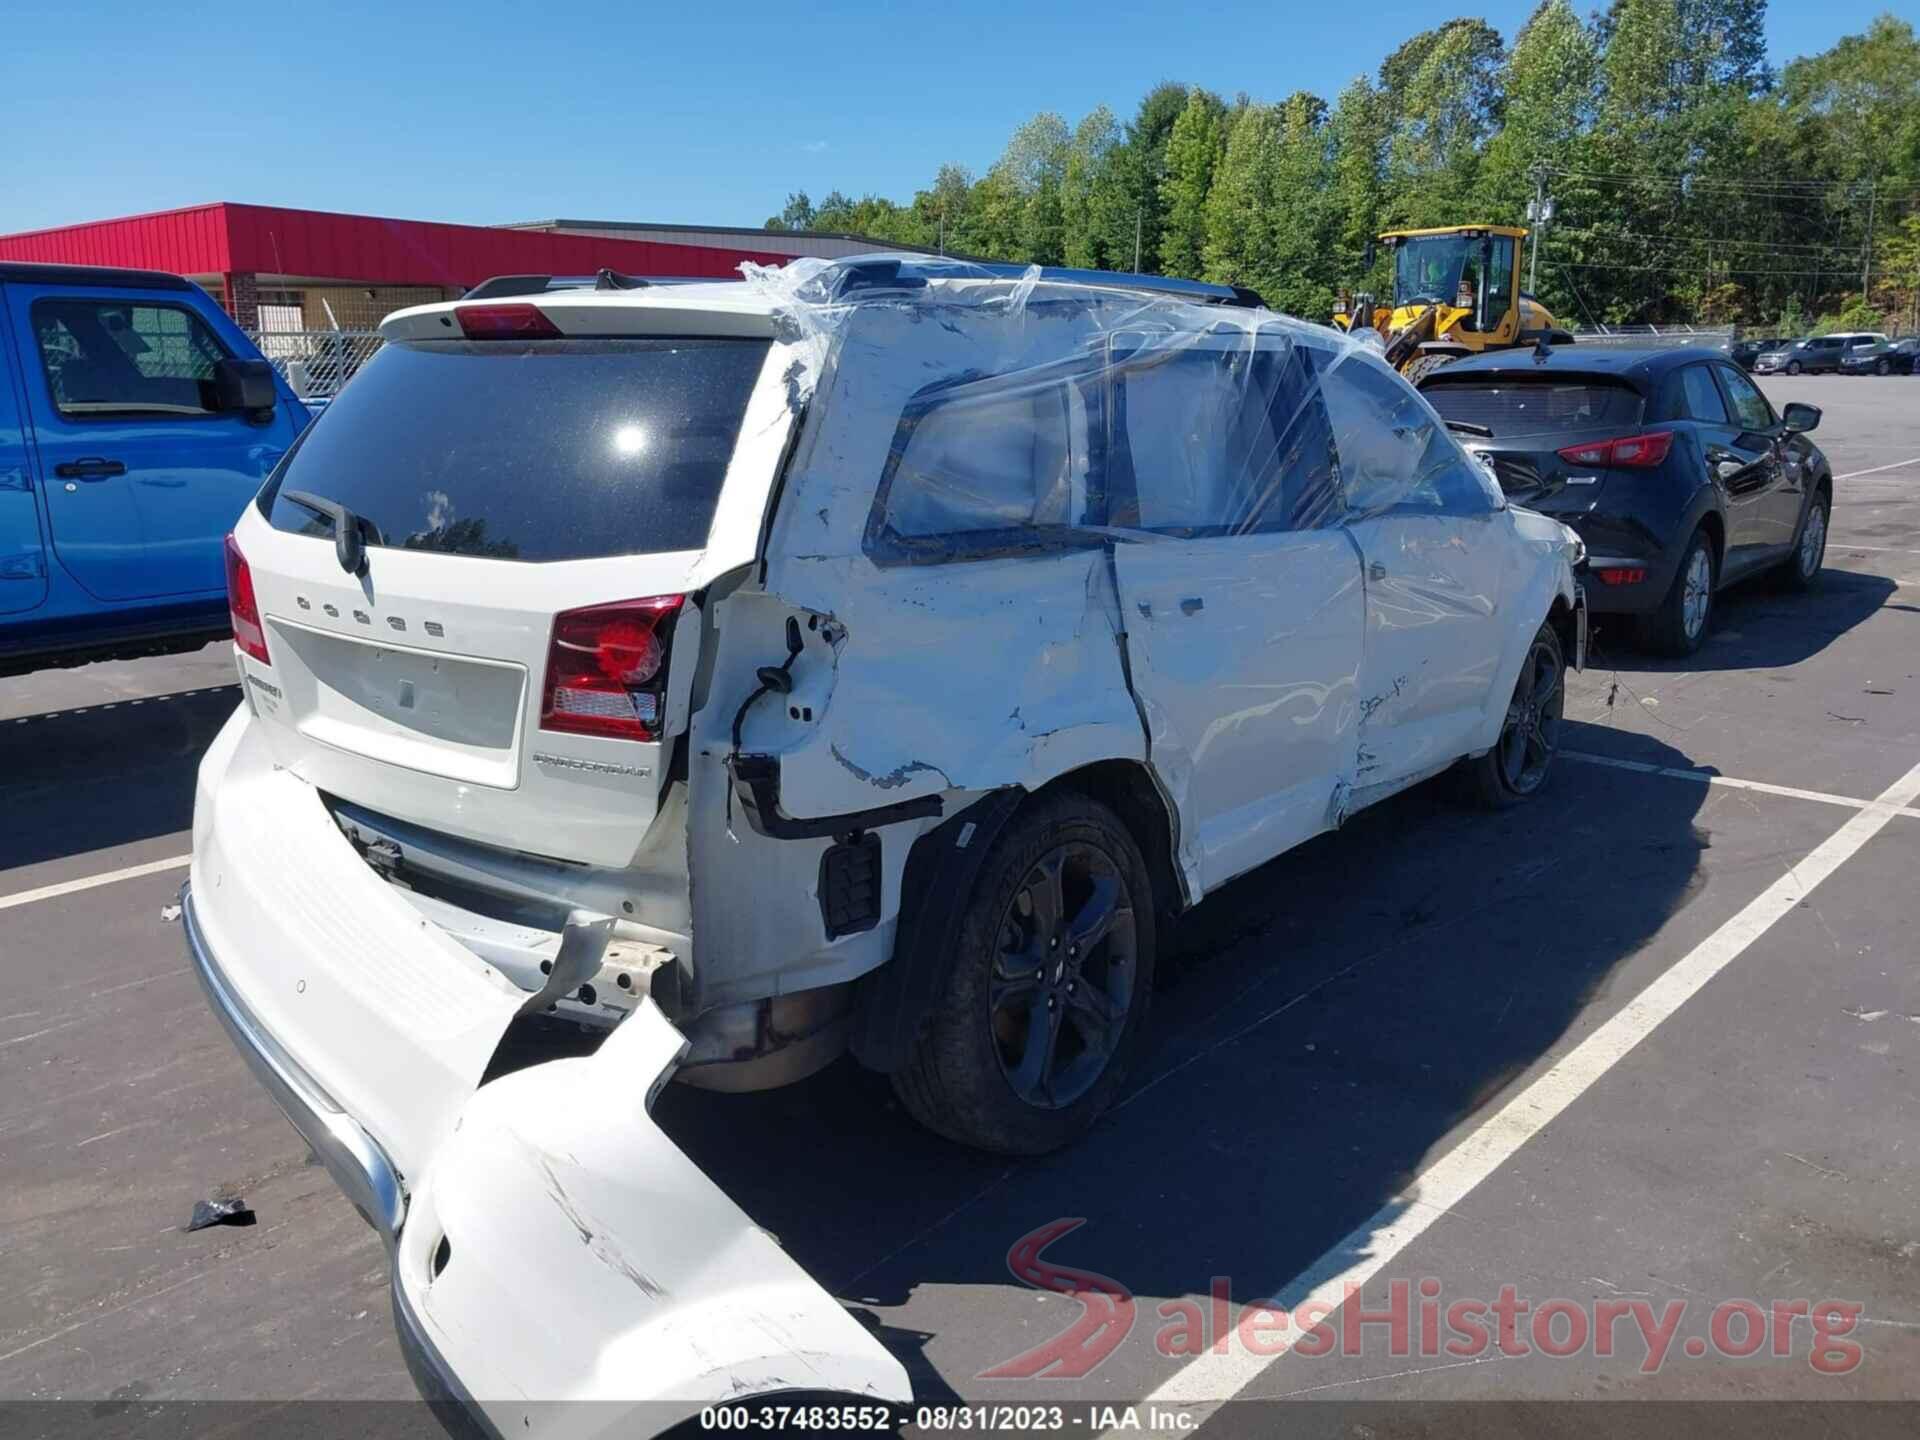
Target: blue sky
(484, 112)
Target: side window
(1700, 397)
(115, 356)
(985, 459)
(1394, 452)
(1500, 279)
(1750, 408)
(1222, 441)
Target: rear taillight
(242, 609)
(1631, 452)
(506, 322)
(1622, 575)
(607, 669)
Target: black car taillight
(607, 669)
(1629, 452)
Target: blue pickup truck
(136, 422)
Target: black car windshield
(1428, 267)
(535, 450)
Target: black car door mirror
(1800, 418)
(245, 385)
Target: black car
(1745, 352)
(1671, 465)
(1880, 358)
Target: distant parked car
(1671, 465)
(1745, 352)
(1817, 354)
(136, 422)
(1879, 358)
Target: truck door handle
(93, 467)
(1376, 571)
(1192, 605)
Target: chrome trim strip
(358, 1165)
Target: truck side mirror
(245, 385)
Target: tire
(1793, 367)
(1517, 766)
(1424, 366)
(1681, 622)
(1883, 368)
(969, 1076)
(1800, 571)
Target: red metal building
(315, 269)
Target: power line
(1686, 180)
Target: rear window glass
(544, 450)
(1531, 407)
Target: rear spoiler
(504, 285)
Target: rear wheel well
(1126, 788)
(1716, 532)
(1560, 617)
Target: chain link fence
(316, 363)
(1655, 337)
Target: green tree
(1140, 167)
(1268, 217)
(798, 214)
(1194, 147)
(1358, 138)
(1089, 191)
(1442, 91)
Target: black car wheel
(1518, 764)
(1801, 569)
(1883, 368)
(1680, 624)
(1793, 367)
(1046, 996)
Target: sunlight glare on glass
(629, 439)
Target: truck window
(107, 357)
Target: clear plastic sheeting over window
(978, 410)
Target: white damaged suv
(872, 655)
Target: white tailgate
(415, 690)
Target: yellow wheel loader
(1456, 291)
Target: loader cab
(1470, 274)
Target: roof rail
(895, 272)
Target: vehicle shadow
(1322, 1027)
(1756, 625)
(82, 780)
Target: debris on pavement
(232, 1211)
(169, 913)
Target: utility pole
(1138, 216)
(1539, 212)
(1866, 250)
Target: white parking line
(1675, 772)
(89, 882)
(1206, 1383)
(1896, 465)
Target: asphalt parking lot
(1653, 1039)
